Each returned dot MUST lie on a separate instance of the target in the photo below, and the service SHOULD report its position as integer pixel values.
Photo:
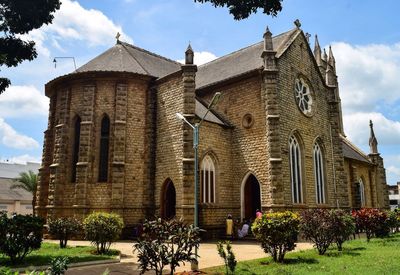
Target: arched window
(75, 147)
(362, 192)
(295, 170)
(319, 174)
(104, 145)
(207, 179)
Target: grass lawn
(49, 250)
(379, 256)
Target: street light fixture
(195, 128)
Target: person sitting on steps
(244, 231)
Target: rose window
(303, 96)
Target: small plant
(393, 220)
(102, 229)
(316, 226)
(343, 226)
(58, 266)
(64, 228)
(277, 233)
(164, 243)
(228, 256)
(20, 235)
(372, 221)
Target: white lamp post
(195, 128)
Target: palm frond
(26, 181)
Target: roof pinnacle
(373, 143)
(189, 55)
(317, 51)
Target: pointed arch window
(75, 147)
(362, 192)
(319, 174)
(295, 170)
(104, 148)
(207, 179)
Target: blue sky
(364, 36)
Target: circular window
(303, 96)
(247, 121)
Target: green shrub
(64, 228)
(228, 256)
(19, 235)
(102, 229)
(343, 226)
(277, 233)
(372, 221)
(164, 243)
(393, 220)
(316, 226)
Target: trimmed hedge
(277, 233)
(102, 229)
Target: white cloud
(356, 126)
(201, 57)
(10, 138)
(368, 75)
(73, 22)
(23, 101)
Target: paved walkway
(244, 250)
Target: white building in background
(15, 200)
(394, 196)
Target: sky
(364, 37)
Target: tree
(28, 182)
(242, 9)
(18, 18)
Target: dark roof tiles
(124, 57)
(352, 152)
(239, 62)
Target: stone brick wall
(170, 135)
(124, 99)
(239, 151)
(354, 171)
(298, 61)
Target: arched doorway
(251, 197)
(168, 200)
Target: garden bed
(379, 256)
(48, 251)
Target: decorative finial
(297, 23)
(268, 40)
(317, 51)
(373, 143)
(189, 55)
(325, 56)
(118, 36)
(308, 37)
(332, 59)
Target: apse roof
(124, 57)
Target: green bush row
(21, 234)
(279, 231)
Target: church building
(274, 141)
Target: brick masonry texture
(149, 146)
